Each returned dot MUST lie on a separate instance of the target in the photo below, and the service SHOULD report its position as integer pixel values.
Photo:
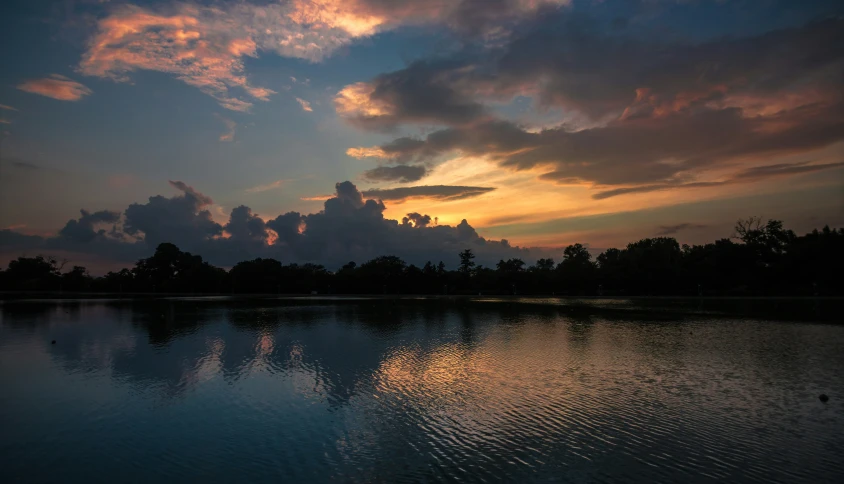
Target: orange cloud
(56, 87)
(368, 152)
(268, 186)
(317, 198)
(205, 47)
(306, 106)
(199, 53)
(356, 100)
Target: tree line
(762, 258)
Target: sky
(335, 130)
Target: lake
(385, 390)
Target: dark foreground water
(406, 391)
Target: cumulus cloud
(351, 226)
(183, 219)
(400, 173)
(56, 87)
(416, 219)
(83, 228)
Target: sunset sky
(225, 127)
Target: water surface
(405, 391)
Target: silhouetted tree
(467, 262)
(762, 257)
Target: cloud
(422, 93)
(82, 229)
(351, 226)
(25, 165)
(577, 67)
(568, 62)
(747, 175)
(316, 198)
(231, 127)
(5, 121)
(265, 187)
(7, 108)
(56, 87)
(205, 45)
(400, 173)
(248, 235)
(648, 152)
(416, 219)
(652, 188)
(783, 169)
(673, 229)
(183, 219)
(306, 106)
(432, 192)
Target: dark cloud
(434, 192)
(182, 219)
(570, 62)
(287, 227)
(468, 18)
(748, 175)
(399, 173)
(11, 239)
(652, 153)
(425, 92)
(784, 169)
(351, 226)
(673, 229)
(416, 219)
(583, 69)
(246, 226)
(83, 228)
(652, 188)
(25, 165)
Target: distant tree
(33, 273)
(544, 264)
(76, 279)
(467, 262)
(576, 271)
(762, 257)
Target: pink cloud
(306, 106)
(8, 108)
(56, 87)
(268, 186)
(120, 180)
(205, 47)
(228, 135)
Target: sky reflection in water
(405, 391)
